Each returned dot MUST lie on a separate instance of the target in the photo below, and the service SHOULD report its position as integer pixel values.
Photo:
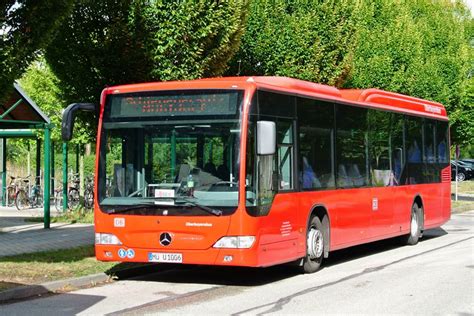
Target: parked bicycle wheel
(37, 199)
(88, 199)
(73, 198)
(11, 192)
(58, 201)
(21, 200)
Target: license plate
(165, 257)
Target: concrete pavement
(18, 236)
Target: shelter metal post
(65, 176)
(4, 171)
(38, 160)
(53, 169)
(47, 175)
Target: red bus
(259, 171)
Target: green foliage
(25, 27)
(116, 42)
(189, 39)
(420, 48)
(43, 88)
(301, 39)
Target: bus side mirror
(266, 138)
(69, 116)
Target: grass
(54, 265)
(49, 266)
(462, 206)
(79, 215)
(464, 187)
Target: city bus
(260, 171)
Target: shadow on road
(65, 304)
(238, 276)
(356, 252)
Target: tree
(42, 86)
(310, 40)
(25, 27)
(420, 48)
(115, 42)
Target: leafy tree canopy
(25, 27)
(420, 48)
(113, 42)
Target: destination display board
(180, 104)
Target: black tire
(315, 253)
(58, 201)
(11, 192)
(416, 220)
(38, 200)
(21, 200)
(88, 199)
(461, 176)
(73, 198)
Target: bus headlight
(106, 239)
(238, 242)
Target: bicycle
(73, 198)
(29, 196)
(89, 193)
(12, 189)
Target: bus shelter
(20, 117)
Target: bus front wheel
(314, 246)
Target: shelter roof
(19, 111)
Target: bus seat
(184, 170)
(355, 175)
(343, 179)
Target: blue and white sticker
(130, 253)
(122, 253)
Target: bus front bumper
(211, 256)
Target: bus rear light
(106, 239)
(238, 242)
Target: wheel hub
(315, 243)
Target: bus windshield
(171, 153)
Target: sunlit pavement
(18, 236)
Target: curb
(51, 287)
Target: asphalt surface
(434, 277)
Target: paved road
(434, 277)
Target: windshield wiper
(212, 211)
(126, 208)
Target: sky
(470, 4)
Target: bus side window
(397, 143)
(415, 149)
(316, 144)
(379, 148)
(351, 146)
(442, 149)
(285, 144)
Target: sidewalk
(19, 237)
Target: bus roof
(370, 98)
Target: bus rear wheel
(415, 226)
(314, 246)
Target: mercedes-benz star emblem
(165, 239)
